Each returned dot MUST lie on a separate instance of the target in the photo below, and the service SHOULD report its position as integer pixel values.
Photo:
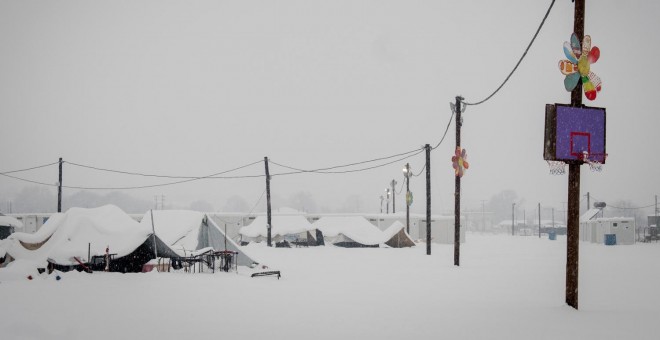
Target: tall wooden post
(573, 217)
(428, 199)
(59, 190)
(457, 191)
(268, 212)
(408, 198)
(393, 183)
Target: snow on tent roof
(8, 221)
(282, 225)
(185, 231)
(69, 234)
(396, 237)
(393, 229)
(356, 228)
(176, 228)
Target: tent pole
(153, 230)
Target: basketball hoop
(594, 165)
(557, 167)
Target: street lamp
(381, 203)
(406, 176)
(393, 184)
(388, 200)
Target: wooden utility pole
(268, 218)
(408, 198)
(457, 191)
(59, 190)
(573, 217)
(588, 201)
(428, 198)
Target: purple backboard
(572, 131)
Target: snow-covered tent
(185, 232)
(67, 240)
(397, 237)
(295, 228)
(8, 225)
(349, 231)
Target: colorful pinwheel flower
(459, 162)
(578, 66)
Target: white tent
(349, 231)
(397, 237)
(186, 231)
(8, 225)
(292, 227)
(67, 238)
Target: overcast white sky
(197, 87)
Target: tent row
(342, 231)
(74, 239)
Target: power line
(624, 208)
(321, 171)
(519, 61)
(27, 169)
(131, 187)
(446, 129)
(165, 176)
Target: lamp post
(381, 203)
(393, 184)
(513, 218)
(388, 200)
(406, 176)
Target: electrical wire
(27, 169)
(163, 176)
(420, 171)
(445, 134)
(519, 61)
(130, 187)
(624, 208)
(320, 171)
(246, 215)
(324, 170)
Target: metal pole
(573, 218)
(393, 183)
(588, 201)
(457, 191)
(428, 199)
(388, 200)
(513, 218)
(268, 212)
(539, 219)
(59, 190)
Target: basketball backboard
(573, 132)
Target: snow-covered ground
(506, 288)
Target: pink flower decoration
(459, 162)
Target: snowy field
(506, 288)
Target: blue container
(610, 239)
(552, 236)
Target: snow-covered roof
(189, 232)
(393, 229)
(356, 228)
(8, 221)
(69, 234)
(590, 214)
(176, 228)
(281, 225)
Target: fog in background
(196, 88)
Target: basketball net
(594, 165)
(557, 167)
